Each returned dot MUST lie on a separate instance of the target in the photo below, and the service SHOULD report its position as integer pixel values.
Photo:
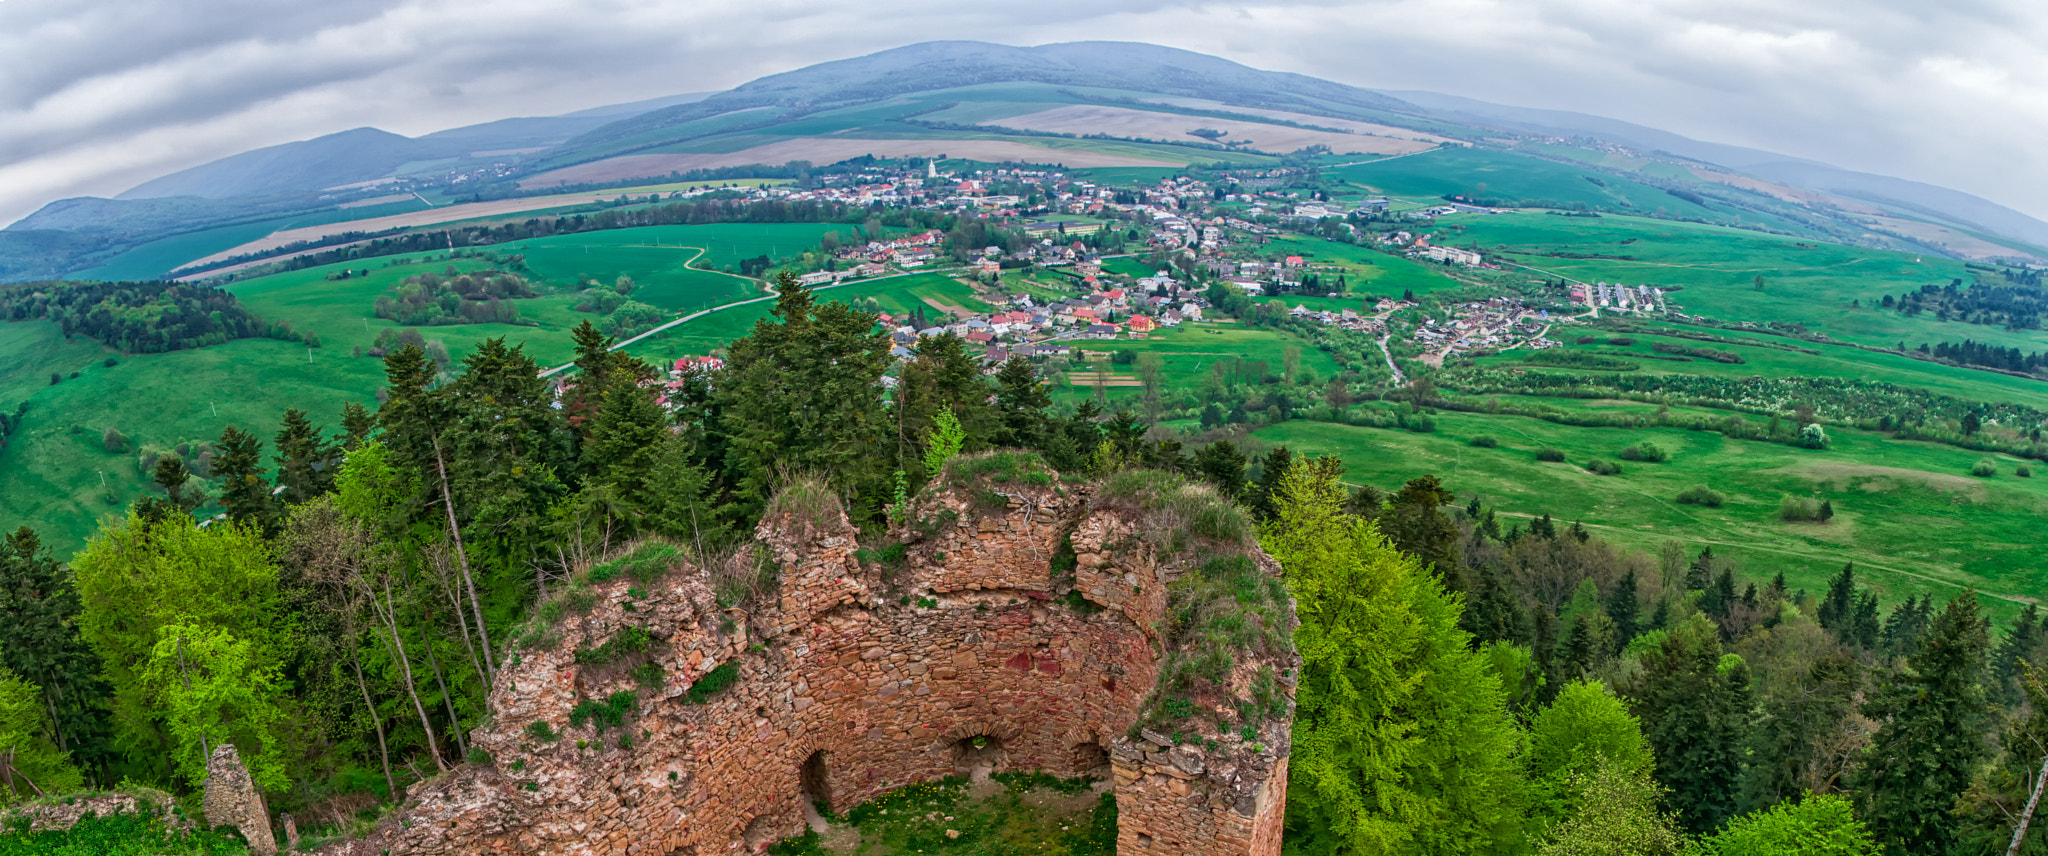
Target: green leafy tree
(212, 688)
(1616, 815)
(1583, 728)
(136, 577)
(942, 441)
(1822, 825)
(1402, 742)
(31, 764)
(944, 377)
(1931, 738)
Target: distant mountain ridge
(310, 177)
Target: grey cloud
(98, 96)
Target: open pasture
(1908, 514)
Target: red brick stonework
(856, 679)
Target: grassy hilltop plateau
(1712, 470)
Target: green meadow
(1909, 515)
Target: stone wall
(856, 679)
(65, 812)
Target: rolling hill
(1079, 105)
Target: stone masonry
(232, 800)
(859, 677)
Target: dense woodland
(2015, 307)
(1470, 684)
(141, 317)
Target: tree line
(143, 317)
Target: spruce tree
(2021, 645)
(1837, 610)
(626, 441)
(1695, 706)
(40, 641)
(1222, 465)
(243, 491)
(1933, 716)
(1791, 725)
(943, 376)
(1021, 401)
(356, 424)
(1272, 468)
(1624, 610)
(305, 461)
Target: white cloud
(97, 97)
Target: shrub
(2023, 471)
(1550, 455)
(1645, 451)
(743, 575)
(1804, 509)
(1485, 441)
(809, 505)
(1985, 468)
(1700, 495)
(1621, 341)
(609, 713)
(113, 441)
(478, 757)
(1813, 437)
(1599, 467)
(713, 682)
(111, 362)
(625, 643)
(540, 730)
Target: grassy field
(1908, 514)
(1188, 353)
(1806, 282)
(1366, 271)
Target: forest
(1520, 686)
(141, 317)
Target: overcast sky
(97, 96)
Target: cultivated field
(1147, 124)
(449, 214)
(833, 150)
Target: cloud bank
(98, 97)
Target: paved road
(722, 307)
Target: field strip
(413, 219)
(703, 312)
(1861, 560)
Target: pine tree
(1933, 717)
(1222, 465)
(1837, 610)
(305, 461)
(943, 377)
(1272, 468)
(1416, 523)
(356, 424)
(1021, 401)
(243, 492)
(1791, 725)
(40, 641)
(1695, 710)
(626, 436)
(2022, 644)
(802, 393)
(1623, 609)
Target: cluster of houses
(1034, 327)
(1631, 298)
(1497, 323)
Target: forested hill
(141, 317)
(1470, 683)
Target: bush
(1550, 455)
(1805, 509)
(1599, 467)
(644, 563)
(2023, 471)
(713, 682)
(111, 362)
(478, 757)
(628, 641)
(1645, 451)
(609, 713)
(541, 731)
(113, 441)
(1484, 441)
(1985, 468)
(1700, 495)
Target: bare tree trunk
(448, 701)
(2019, 833)
(455, 599)
(376, 722)
(387, 613)
(462, 559)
